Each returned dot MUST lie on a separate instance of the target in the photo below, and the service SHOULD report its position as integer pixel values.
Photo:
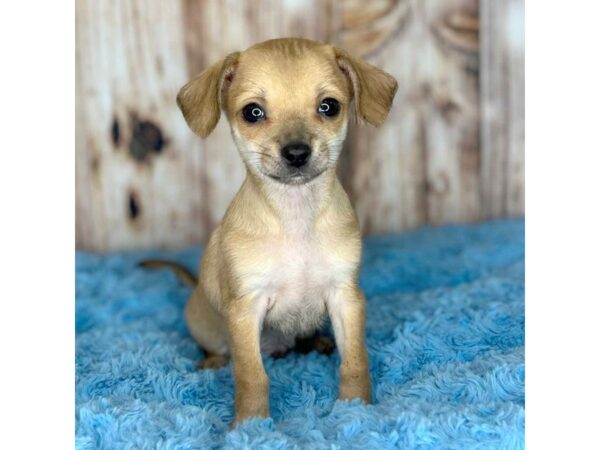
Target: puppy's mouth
(296, 177)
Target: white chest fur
(300, 278)
(298, 272)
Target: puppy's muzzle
(296, 154)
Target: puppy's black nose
(296, 154)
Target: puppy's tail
(183, 273)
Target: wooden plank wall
(503, 108)
(451, 151)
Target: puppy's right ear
(201, 99)
(373, 89)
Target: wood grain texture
(503, 108)
(137, 164)
(451, 150)
(422, 166)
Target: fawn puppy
(287, 252)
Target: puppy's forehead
(281, 67)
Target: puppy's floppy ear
(201, 99)
(373, 88)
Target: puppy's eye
(329, 107)
(253, 113)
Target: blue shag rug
(445, 332)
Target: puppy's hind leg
(212, 361)
(206, 326)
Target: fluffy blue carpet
(445, 331)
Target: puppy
(287, 252)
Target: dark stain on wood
(115, 132)
(470, 154)
(134, 205)
(448, 107)
(146, 139)
(159, 66)
(95, 164)
(423, 143)
(439, 185)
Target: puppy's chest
(297, 270)
(298, 277)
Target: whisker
(264, 147)
(258, 153)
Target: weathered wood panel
(143, 178)
(503, 108)
(423, 164)
(137, 165)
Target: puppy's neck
(295, 207)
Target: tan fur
(182, 272)
(200, 100)
(287, 252)
(373, 88)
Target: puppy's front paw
(356, 385)
(240, 417)
(244, 413)
(252, 399)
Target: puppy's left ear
(201, 99)
(373, 88)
